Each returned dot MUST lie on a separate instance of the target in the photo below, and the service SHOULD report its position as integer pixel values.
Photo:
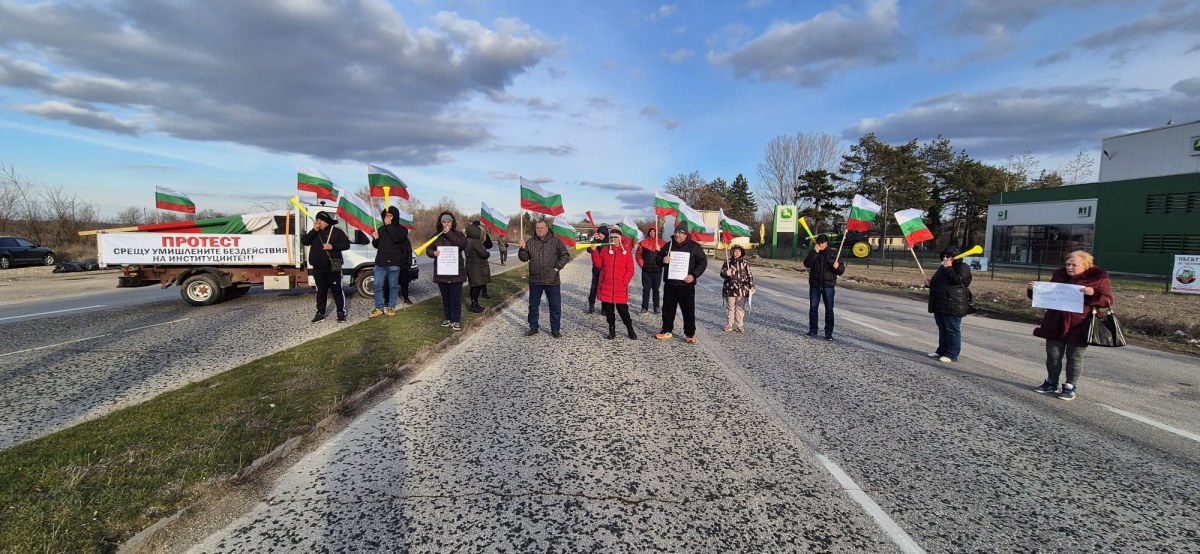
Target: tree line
(815, 173)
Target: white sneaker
(934, 355)
(945, 360)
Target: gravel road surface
(766, 441)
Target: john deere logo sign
(785, 219)
(1196, 145)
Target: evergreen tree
(822, 200)
(742, 205)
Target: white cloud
(678, 56)
(664, 11)
(1000, 122)
(82, 116)
(344, 80)
(809, 53)
(610, 186)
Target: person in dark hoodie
(1066, 332)
(647, 259)
(451, 242)
(600, 237)
(949, 301)
(479, 271)
(823, 270)
(327, 243)
(681, 293)
(392, 258)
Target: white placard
(447, 260)
(1058, 296)
(1185, 276)
(191, 249)
(678, 268)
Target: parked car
(17, 251)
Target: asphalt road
(767, 441)
(64, 362)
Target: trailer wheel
(861, 250)
(201, 290)
(364, 283)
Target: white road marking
(155, 325)
(53, 312)
(1151, 422)
(842, 317)
(881, 518)
(54, 345)
(92, 338)
(869, 326)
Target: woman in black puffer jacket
(949, 301)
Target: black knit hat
(324, 216)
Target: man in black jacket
(546, 256)
(325, 263)
(392, 260)
(681, 292)
(823, 270)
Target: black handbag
(1104, 330)
(970, 301)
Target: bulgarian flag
(563, 229)
(914, 229)
(666, 204)
(356, 212)
(493, 219)
(629, 229)
(732, 228)
(405, 219)
(167, 199)
(538, 199)
(378, 177)
(314, 186)
(695, 224)
(862, 214)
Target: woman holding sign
(1066, 332)
(450, 268)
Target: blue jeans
(553, 297)
(815, 297)
(451, 301)
(949, 335)
(392, 277)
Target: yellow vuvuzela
(973, 251)
(421, 249)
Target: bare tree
(786, 158)
(1021, 168)
(130, 216)
(688, 187)
(1078, 169)
(9, 196)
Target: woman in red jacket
(615, 263)
(1065, 332)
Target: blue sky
(601, 101)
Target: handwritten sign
(1058, 296)
(678, 268)
(447, 260)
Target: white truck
(219, 259)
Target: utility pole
(887, 189)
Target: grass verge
(91, 487)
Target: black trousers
(623, 309)
(475, 293)
(683, 297)
(651, 280)
(595, 286)
(329, 283)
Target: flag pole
(914, 254)
(845, 233)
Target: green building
(1134, 226)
